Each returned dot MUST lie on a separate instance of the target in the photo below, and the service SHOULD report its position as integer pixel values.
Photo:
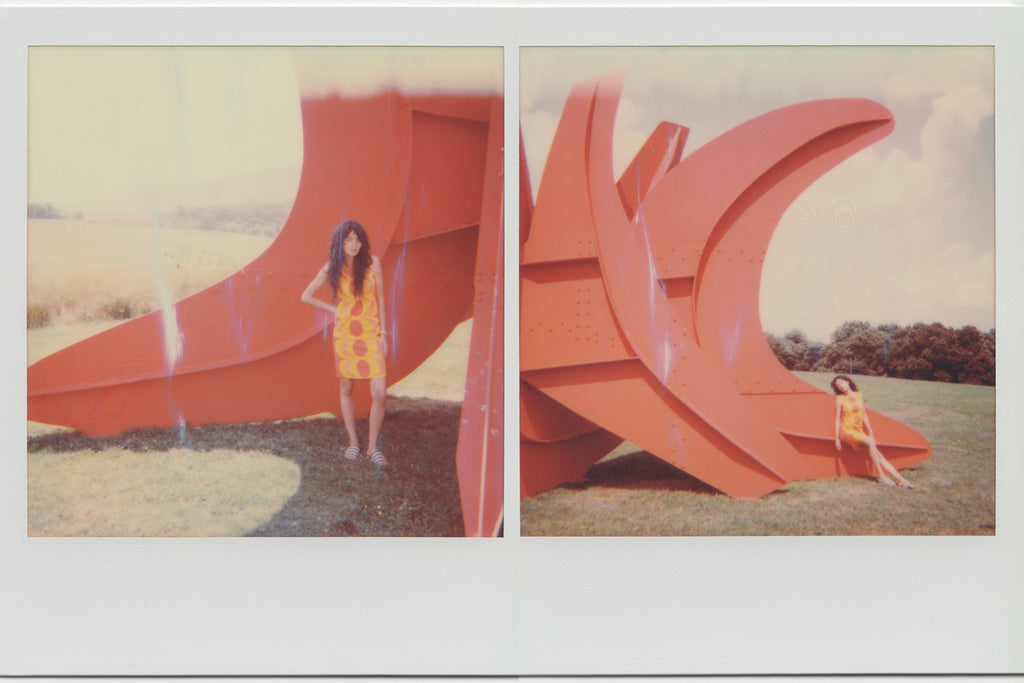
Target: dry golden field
(80, 271)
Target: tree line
(919, 351)
(252, 218)
(46, 210)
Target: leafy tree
(814, 351)
(867, 350)
(974, 359)
(923, 352)
(778, 348)
(800, 349)
(856, 347)
(849, 329)
(792, 350)
(796, 337)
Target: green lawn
(176, 492)
(282, 478)
(632, 493)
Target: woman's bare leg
(348, 411)
(892, 470)
(379, 398)
(878, 461)
(883, 467)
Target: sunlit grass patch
(226, 480)
(178, 492)
(443, 375)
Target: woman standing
(360, 340)
(854, 428)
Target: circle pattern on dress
(357, 347)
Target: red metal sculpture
(424, 175)
(639, 300)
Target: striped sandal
(378, 459)
(351, 453)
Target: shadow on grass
(640, 471)
(416, 495)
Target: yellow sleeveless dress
(851, 419)
(357, 329)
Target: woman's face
(842, 385)
(351, 244)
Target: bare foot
(886, 481)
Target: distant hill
(250, 218)
(257, 203)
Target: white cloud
(949, 132)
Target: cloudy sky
(147, 128)
(902, 232)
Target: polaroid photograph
(489, 340)
(788, 254)
(188, 283)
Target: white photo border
(514, 606)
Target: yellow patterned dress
(357, 329)
(852, 429)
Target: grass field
(633, 493)
(91, 490)
(271, 479)
(282, 478)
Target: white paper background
(513, 606)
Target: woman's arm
(378, 274)
(319, 281)
(839, 446)
(867, 422)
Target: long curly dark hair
(336, 257)
(853, 387)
